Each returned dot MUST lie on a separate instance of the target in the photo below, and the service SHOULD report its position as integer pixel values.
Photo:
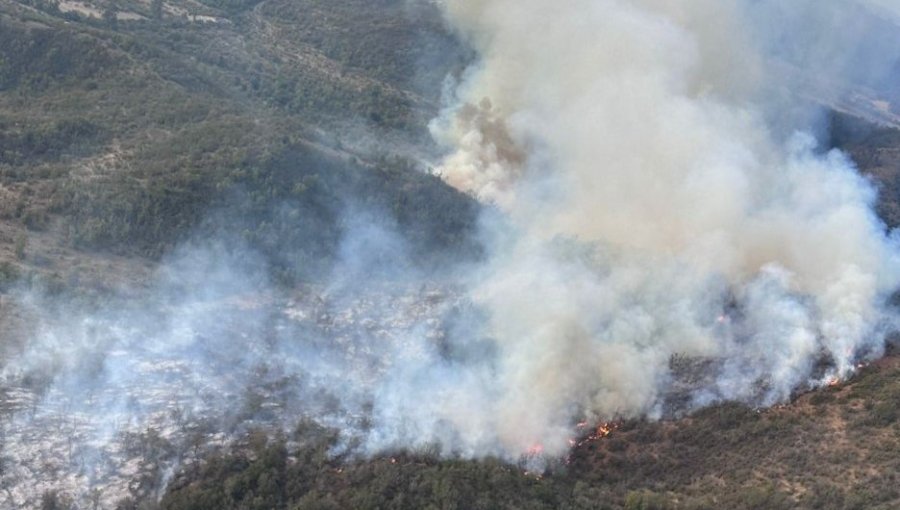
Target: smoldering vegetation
(107, 399)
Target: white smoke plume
(665, 203)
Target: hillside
(831, 448)
(121, 134)
(178, 183)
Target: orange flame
(602, 430)
(535, 450)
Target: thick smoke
(654, 135)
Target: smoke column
(662, 201)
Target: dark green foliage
(20, 144)
(883, 414)
(128, 216)
(762, 497)
(268, 476)
(156, 9)
(297, 91)
(822, 398)
(293, 206)
(296, 206)
(111, 16)
(148, 135)
(253, 483)
(727, 416)
(36, 57)
(402, 43)
(647, 500)
(52, 500)
(231, 6)
(867, 145)
(9, 274)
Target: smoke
(661, 232)
(665, 203)
(107, 399)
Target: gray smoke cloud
(107, 400)
(656, 136)
(661, 227)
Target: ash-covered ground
(110, 407)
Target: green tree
(53, 500)
(20, 245)
(156, 9)
(111, 16)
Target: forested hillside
(121, 134)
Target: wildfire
(834, 380)
(535, 450)
(602, 430)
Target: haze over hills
(411, 254)
(136, 132)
